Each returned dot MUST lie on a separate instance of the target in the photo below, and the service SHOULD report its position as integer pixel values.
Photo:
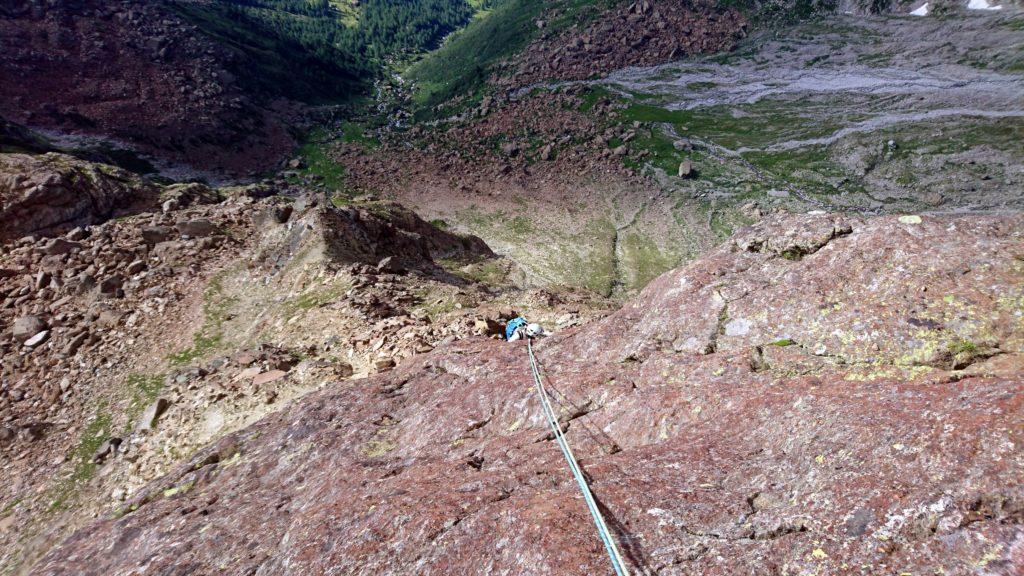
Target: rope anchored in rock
(574, 467)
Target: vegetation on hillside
(325, 50)
(463, 64)
(460, 68)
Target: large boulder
(26, 327)
(817, 428)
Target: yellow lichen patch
(376, 448)
(233, 461)
(993, 554)
(184, 488)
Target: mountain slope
(138, 74)
(789, 403)
(524, 41)
(214, 86)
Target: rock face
(850, 396)
(52, 192)
(136, 72)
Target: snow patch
(923, 9)
(982, 5)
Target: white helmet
(533, 330)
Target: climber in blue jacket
(519, 329)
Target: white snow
(982, 5)
(923, 10)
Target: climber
(519, 329)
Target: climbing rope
(549, 413)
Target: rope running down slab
(574, 467)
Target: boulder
(77, 234)
(197, 228)
(268, 377)
(153, 235)
(488, 327)
(60, 246)
(188, 194)
(685, 169)
(151, 415)
(389, 265)
(111, 287)
(107, 449)
(27, 326)
(135, 267)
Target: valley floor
(606, 183)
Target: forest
(326, 50)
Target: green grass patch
(521, 226)
(9, 507)
(489, 272)
(596, 271)
(94, 434)
(660, 149)
(592, 96)
(316, 298)
(210, 336)
(202, 345)
(811, 169)
(879, 59)
(816, 60)
(315, 151)
(643, 260)
(1016, 24)
(696, 86)
(355, 132)
(965, 347)
(752, 125)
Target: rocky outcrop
(784, 405)
(17, 138)
(362, 233)
(136, 72)
(52, 192)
